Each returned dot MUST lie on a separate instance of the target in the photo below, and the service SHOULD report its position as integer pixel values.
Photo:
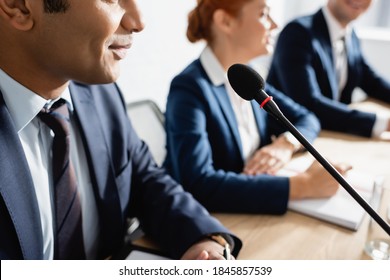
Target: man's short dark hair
(56, 6)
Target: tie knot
(340, 44)
(56, 118)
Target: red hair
(201, 17)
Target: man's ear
(17, 13)
(222, 20)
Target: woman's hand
(269, 159)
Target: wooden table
(295, 236)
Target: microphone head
(245, 81)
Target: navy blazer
(204, 146)
(126, 182)
(303, 68)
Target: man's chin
(106, 78)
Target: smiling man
(72, 169)
(318, 62)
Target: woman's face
(252, 30)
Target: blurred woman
(223, 149)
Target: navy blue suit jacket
(204, 146)
(125, 179)
(302, 68)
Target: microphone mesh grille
(245, 81)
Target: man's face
(348, 10)
(87, 42)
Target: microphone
(249, 85)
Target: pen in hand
(226, 246)
(226, 252)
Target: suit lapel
(327, 51)
(351, 52)
(352, 55)
(99, 161)
(227, 109)
(17, 189)
(260, 119)
(96, 147)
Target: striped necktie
(68, 235)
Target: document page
(340, 209)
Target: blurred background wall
(162, 50)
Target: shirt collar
(212, 67)
(66, 96)
(22, 103)
(336, 31)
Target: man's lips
(120, 50)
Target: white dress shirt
(336, 31)
(36, 139)
(243, 111)
(338, 37)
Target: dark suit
(125, 179)
(204, 145)
(303, 68)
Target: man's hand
(205, 249)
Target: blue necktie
(68, 236)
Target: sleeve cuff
(292, 140)
(380, 125)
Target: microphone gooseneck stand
(249, 85)
(278, 115)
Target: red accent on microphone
(265, 101)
